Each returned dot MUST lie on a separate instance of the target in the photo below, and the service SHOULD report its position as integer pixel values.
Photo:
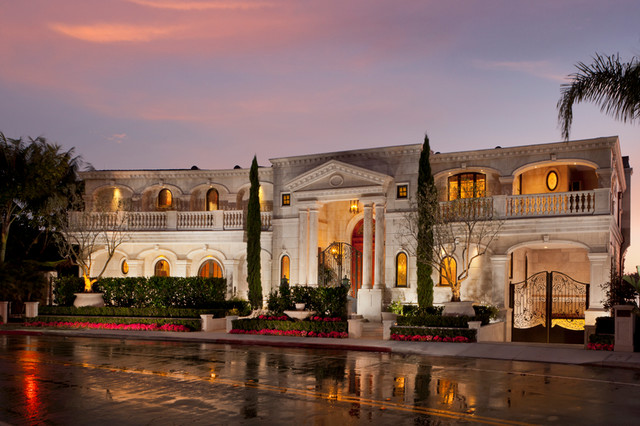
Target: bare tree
(463, 229)
(82, 233)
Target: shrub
(219, 310)
(412, 310)
(190, 324)
(605, 325)
(286, 325)
(485, 313)
(619, 292)
(326, 301)
(426, 320)
(64, 289)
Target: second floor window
(467, 185)
(212, 200)
(165, 199)
(286, 199)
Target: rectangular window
(402, 191)
(286, 199)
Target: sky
(164, 84)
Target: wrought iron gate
(340, 264)
(549, 307)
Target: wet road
(68, 381)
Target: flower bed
(281, 325)
(295, 333)
(600, 346)
(433, 334)
(186, 324)
(109, 326)
(600, 342)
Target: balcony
(576, 203)
(217, 220)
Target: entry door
(549, 307)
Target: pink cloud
(111, 33)
(535, 68)
(200, 5)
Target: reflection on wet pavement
(55, 380)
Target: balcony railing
(219, 220)
(577, 203)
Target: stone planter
(88, 299)
(31, 309)
(458, 309)
(229, 320)
(300, 306)
(388, 316)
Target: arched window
(467, 185)
(212, 199)
(165, 199)
(210, 269)
(448, 271)
(161, 269)
(284, 268)
(401, 270)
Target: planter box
(88, 299)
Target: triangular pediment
(338, 175)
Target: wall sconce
(353, 206)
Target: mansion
(340, 217)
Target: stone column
(499, 287)
(136, 268)
(312, 274)
(378, 280)
(303, 219)
(230, 266)
(182, 266)
(366, 246)
(599, 275)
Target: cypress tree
(254, 226)
(425, 191)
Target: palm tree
(612, 85)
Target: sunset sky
(171, 84)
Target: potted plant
(393, 310)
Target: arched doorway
(357, 241)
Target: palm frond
(607, 82)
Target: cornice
(549, 148)
(382, 152)
(188, 174)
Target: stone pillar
(182, 266)
(230, 267)
(303, 219)
(366, 247)
(4, 312)
(136, 268)
(625, 322)
(599, 275)
(378, 280)
(499, 287)
(312, 274)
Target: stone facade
(565, 207)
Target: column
(303, 219)
(378, 280)
(366, 246)
(230, 267)
(312, 274)
(600, 266)
(499, 287)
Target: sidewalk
(532, 352)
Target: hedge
(435, 321)
(143, 292)
(220, 310)
(329, 301)
(434, 331)
(605, 325)
(192, 324)
(269, 324)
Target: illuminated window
(284, 268)
(552, 180)
(467, 185)
(286, 199)
(161, 269)
(401, 270)
(210, 269)
(402, 191)
(165, 199)
(212, 199)
(124, 267)
(448, 271)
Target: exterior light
(353, 206)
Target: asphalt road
(82, 381)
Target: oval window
(552, 180)
(124, 267)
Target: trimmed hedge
(192, 324)
(143, 292)
(434, 331)
(266, 324)
(606, 339)
(326, 301)
(221, 309)
(435, 321)
(605, 325)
